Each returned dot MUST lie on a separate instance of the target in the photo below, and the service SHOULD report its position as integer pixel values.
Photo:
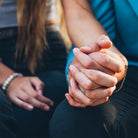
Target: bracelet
(125, 73)
(7, 82)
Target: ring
(82, 89)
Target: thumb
(103, 42)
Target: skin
(26, 92)
(95, 75)
(97, 66)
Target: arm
(84, 30)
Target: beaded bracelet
(6, 83)
(123, 80)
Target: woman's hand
(98, 87)
(26, 92)
(95, 97)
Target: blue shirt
(120, 20)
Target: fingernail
(105, 40)
(46, 108)
(86, 48)
(106, 99)
(116, 80)
(40, 92)
(71, 67)
(76, 50)
(113, 88)
(66, 95)
(30, 107)
(51, 104)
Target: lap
(116, 118)
(35, 123)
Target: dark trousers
(118, 118)
(15, 120)
(7, 120)
(35, 124)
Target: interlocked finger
(82, 79)
(100, 78)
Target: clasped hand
(94, 69)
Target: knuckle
(109, 92)
(105, 60)
(119, 68)
(71, 103)
(21, 85)
(92, 95)
(41, 85)
(23, 105)
(113, 82)
(41, 106)
(34, 95)
(27, 98)
(91, 73)
(77, 74)
(96, 77)
(88, 64)
(88, 103)
(91, 103)
(71, 92)
(88, 85)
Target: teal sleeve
(105, 14)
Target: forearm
(83, 28)
(5, 72)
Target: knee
(61, 122)
(69, 121)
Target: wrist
(9, 80)
(122, 74)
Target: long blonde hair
(32, 30)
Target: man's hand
(95, 72)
